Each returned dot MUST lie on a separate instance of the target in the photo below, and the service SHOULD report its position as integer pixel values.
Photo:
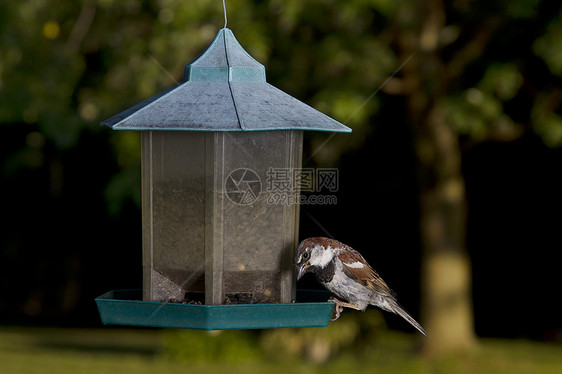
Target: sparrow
(344, 272)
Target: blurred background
(449, 184)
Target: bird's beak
(301, 270)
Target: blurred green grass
(115, 350)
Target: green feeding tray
(124, 307)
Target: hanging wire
(224, 7)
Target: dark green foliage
(70, 189)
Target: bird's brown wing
(356, 268)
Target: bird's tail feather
(396, 308)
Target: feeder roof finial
(225, 60)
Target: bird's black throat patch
(325, 274)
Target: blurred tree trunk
(447, 313)
(446, 272)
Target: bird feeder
(216, 251)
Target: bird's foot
(337, 311)
(338, 308)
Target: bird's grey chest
(346, 288)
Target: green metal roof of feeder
(224, 89)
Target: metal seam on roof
(240, 122)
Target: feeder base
(124, 307)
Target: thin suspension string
(224, 8)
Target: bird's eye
(305, 256)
